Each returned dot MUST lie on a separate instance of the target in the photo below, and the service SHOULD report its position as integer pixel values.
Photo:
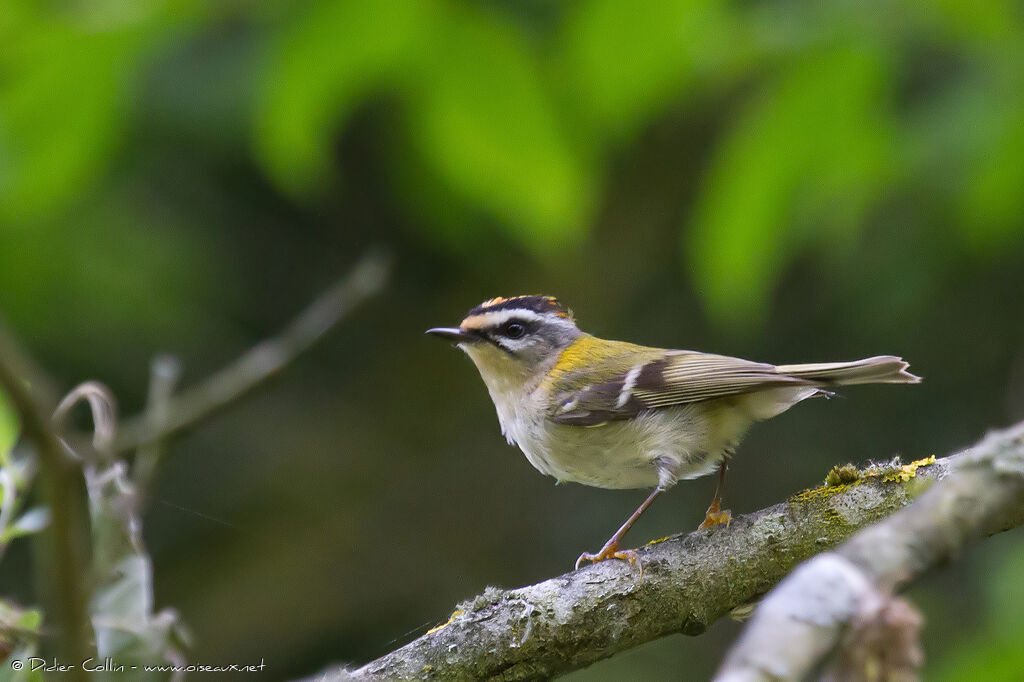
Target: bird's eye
(513, 330)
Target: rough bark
(687, 582)
(802, 621)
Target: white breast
(656, 448)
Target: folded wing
(613, 389)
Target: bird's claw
(610, 552)
(715, 518)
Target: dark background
(779, 181)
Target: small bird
(612, 414)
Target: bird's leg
(715, 515)
(611, 548)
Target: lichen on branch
(840, 609)
(688, 582)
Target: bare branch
(165, 372)
(262, 361)
(688, 582)
(809, 613)
(64, 566)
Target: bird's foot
(609, 551)
(716, 516)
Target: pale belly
(656, 448)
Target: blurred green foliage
(516, 110)
(783, 180)
(992, 652)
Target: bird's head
(512, 339)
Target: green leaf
(800, 165)
(626, 61)
(32, 521)
(993, 201)
(63, 105)
(334, 55)
(9, 429)
(478, 110)
(29, 620)
(483, 119)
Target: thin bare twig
(165, 372)
(66, 563)
(64, 569)
(263, 360)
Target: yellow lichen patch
(444, 624)
(654, 542)
(822, 492)
(842, 478)
(908, 471)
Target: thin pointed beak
(453, 334)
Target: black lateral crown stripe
(538, 304)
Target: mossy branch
(688, 582)
(839, 609)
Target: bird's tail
(881, 369)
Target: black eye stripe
(513, 329)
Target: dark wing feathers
(658, 379)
